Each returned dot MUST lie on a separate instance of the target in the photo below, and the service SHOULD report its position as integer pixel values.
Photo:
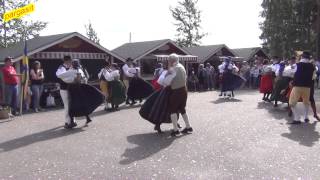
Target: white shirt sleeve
(164, 79)
(69, 76)
(236, 69)
(125, 69)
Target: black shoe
(88, 121)
(295, 122)
(157, 128)
(306, 120)
(73, 124)
(187, 130)
(179, 126)
(175, 133)
(66, 126)
(316, 117)
(133, 103)
(127, 102)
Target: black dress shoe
(67, 126)
(175, 133)
(306, 120)
(179, 126)
(316, 117)
(158, 129)
(295, 122)
(88, 120)
(73, 124)
(187, 130)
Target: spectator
(11, 80)
(209, 76)
(37, 77)
(201, 77)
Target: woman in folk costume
(156, 76)
(80, 92)
(266, 85)
(103, 75)
(282, 80)
(156, 109)
(138, 88)
(117, 89)
(229, 80)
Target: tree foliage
(91, 33)
(288, 26)
(188, 19)
(17, 30)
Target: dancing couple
(165, 105)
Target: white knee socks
(186, 120)
(306, 111)
(174, 119)
(295, 113)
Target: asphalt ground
(242, 138)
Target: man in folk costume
(178, 97)
(127, 76)
(61, 74)
(302, 82)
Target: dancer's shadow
(147, 145)
(279, 113)
(226, 100)
(53, 133)
(305, 134)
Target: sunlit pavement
(242, 138)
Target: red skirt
(266, 85)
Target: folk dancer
(64, 80)
(117, 89)
(127, 76)
(302, 82)
(103, 75)
(266, 85)
(179, 94)
(79, 91)
(229, 80)
(156, 107)
(138, 88)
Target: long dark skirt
(83, 99)
(156, 109)
(117, 92)
(281, 83)
(231, 81)
(139, 88)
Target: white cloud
(232, 22)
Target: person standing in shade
(127, 76)
(37, 77)
(302, 82)
(11, 81)
(61, 73)
(179, 94)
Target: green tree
(91, 33)
(188, 19)
(17, 30)
(288, 26)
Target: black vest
(303, 75)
